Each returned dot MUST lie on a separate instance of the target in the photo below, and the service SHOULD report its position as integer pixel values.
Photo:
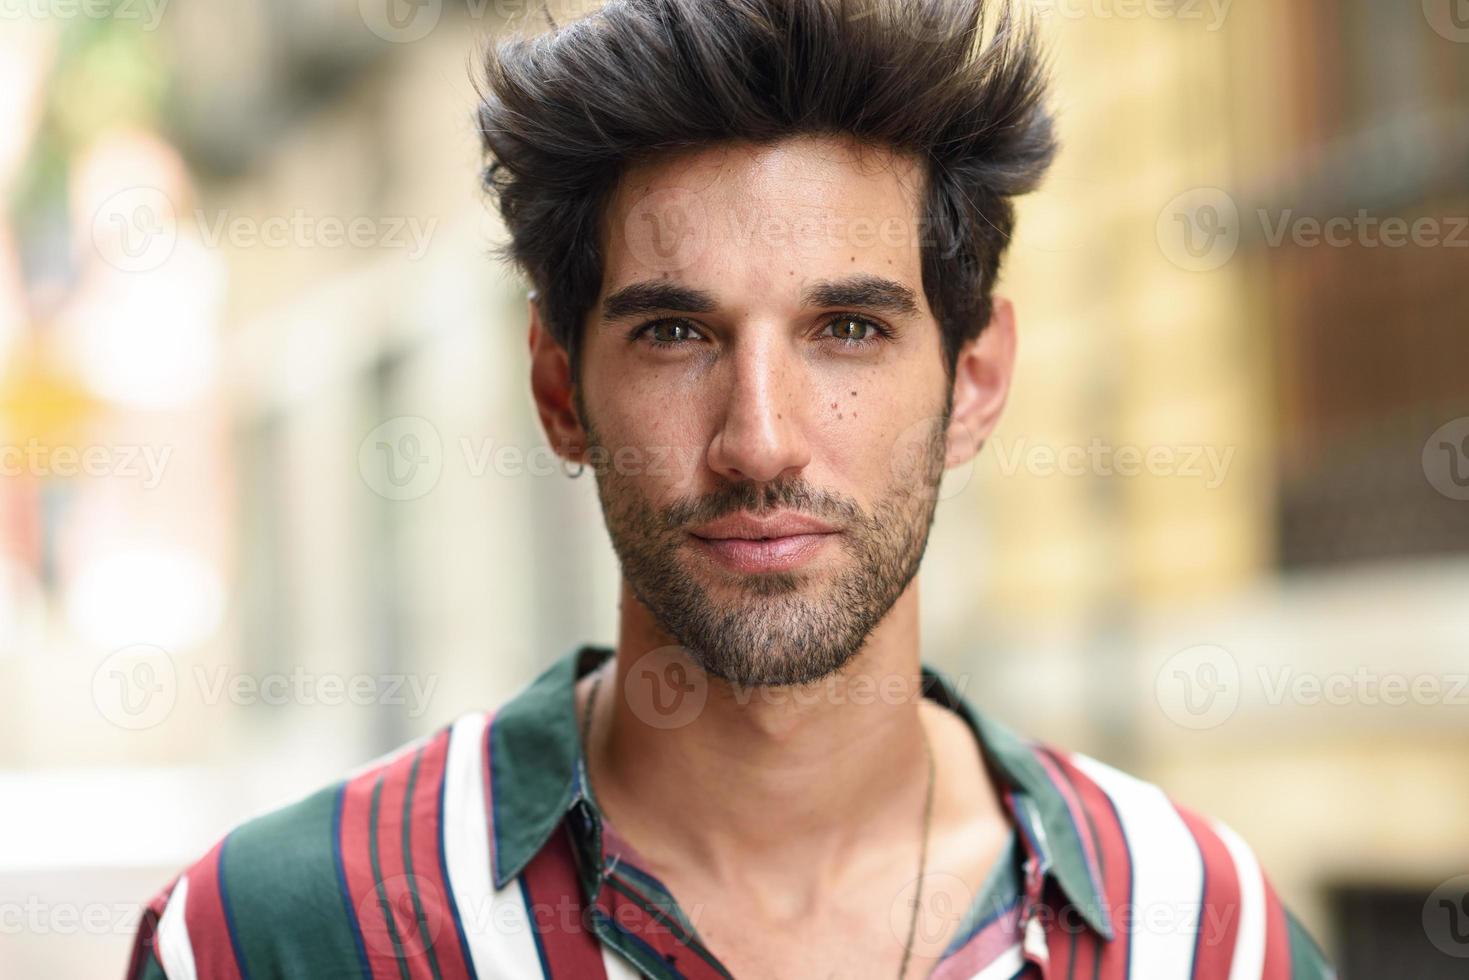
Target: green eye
(850, 328)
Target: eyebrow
(867, 292)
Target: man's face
(762, 347)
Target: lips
(773, 542)
(763, 554)
(750, 527)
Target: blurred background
(274, 499)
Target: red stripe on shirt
(433, 891)
(393, 881)
(1115, 865)
(204, 916)
(362, 894)
(1219, 917)
(554, 902)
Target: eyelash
(883, 333)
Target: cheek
(650, 447)
(859, 420)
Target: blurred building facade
(1214, 533)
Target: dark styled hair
(960, 84)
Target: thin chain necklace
(586, 725)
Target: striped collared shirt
(479, 852)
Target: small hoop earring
(566, 468)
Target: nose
(762, 432)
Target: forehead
(751, 216)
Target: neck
(762, 784)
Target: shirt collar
(536, 774)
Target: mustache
(750, 496)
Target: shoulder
(1179, 886)
(299, 890)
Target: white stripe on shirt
(1167, 874)
(496, 924)
(175, 952)
(1249, 943)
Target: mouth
(765, 554)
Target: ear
(981, 384)
(550, 382)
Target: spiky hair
(959, 84)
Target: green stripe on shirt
(288, 908)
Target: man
(762, 236)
